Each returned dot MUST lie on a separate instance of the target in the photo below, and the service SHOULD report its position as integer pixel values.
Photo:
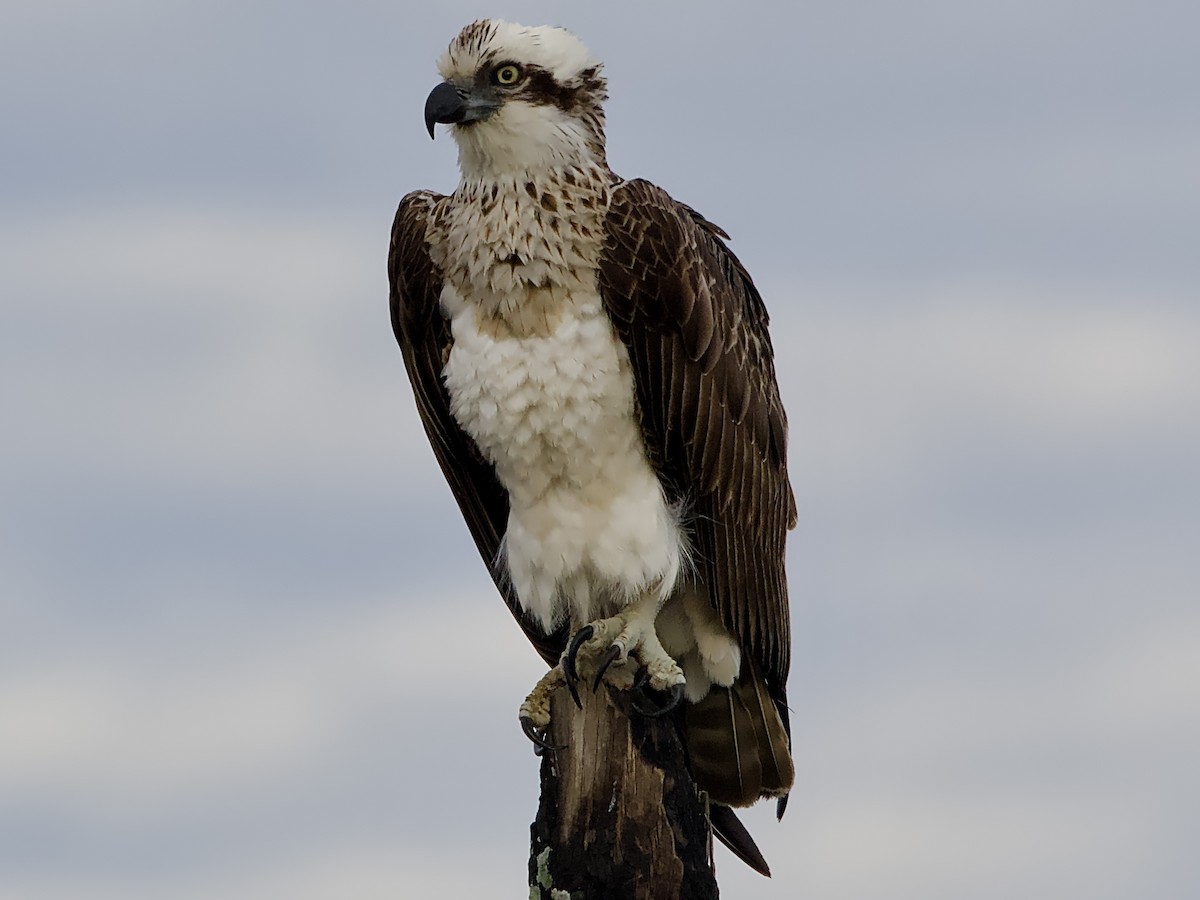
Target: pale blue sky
(248, 650)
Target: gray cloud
(248, 649)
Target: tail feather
(747, 745)
(738, 744)
(733, 834)
(778, 771)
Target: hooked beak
(453, 105)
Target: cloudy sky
(246, 648)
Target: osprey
(592, 366)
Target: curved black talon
(610, 657)
(537, 735)
(674, 695)
(641, 679)
(676, 699)
(570, 673)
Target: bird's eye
(507, 74)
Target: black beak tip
(444, 104)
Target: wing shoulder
(414, 280)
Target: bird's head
(519, 99)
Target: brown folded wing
(715, 429)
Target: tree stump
(619, 816)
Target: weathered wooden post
(619, 816)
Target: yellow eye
(507, 74)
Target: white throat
(522, 139)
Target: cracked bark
(619, 816)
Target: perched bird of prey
(592, 366)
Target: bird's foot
(625, 651)
(535, 711)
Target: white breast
(554, 411)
